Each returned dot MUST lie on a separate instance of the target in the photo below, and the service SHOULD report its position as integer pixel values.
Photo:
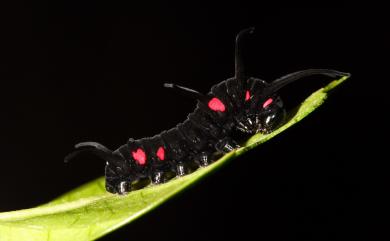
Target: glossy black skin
(199, 139)
(206, 134)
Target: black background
(88, 71)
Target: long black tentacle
(240, 74)
(186, 91)
(96, 149)
(287, 79)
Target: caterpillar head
(270, 115)
(263, 108)
(263, 112)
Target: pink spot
(216, 105)
(139, 156)
(161, 153)
(247, 95)
(267, 102)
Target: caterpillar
(241, 104)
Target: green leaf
(89, 212)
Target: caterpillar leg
(160, 176)
(184, 168)
(121, 188)
(203, 159)
(226, 145)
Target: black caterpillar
(240, 104)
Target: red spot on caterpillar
(161, 153)
(139, 156)
(216, 105)
(247, 95)
(267, 102)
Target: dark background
(87, 71)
